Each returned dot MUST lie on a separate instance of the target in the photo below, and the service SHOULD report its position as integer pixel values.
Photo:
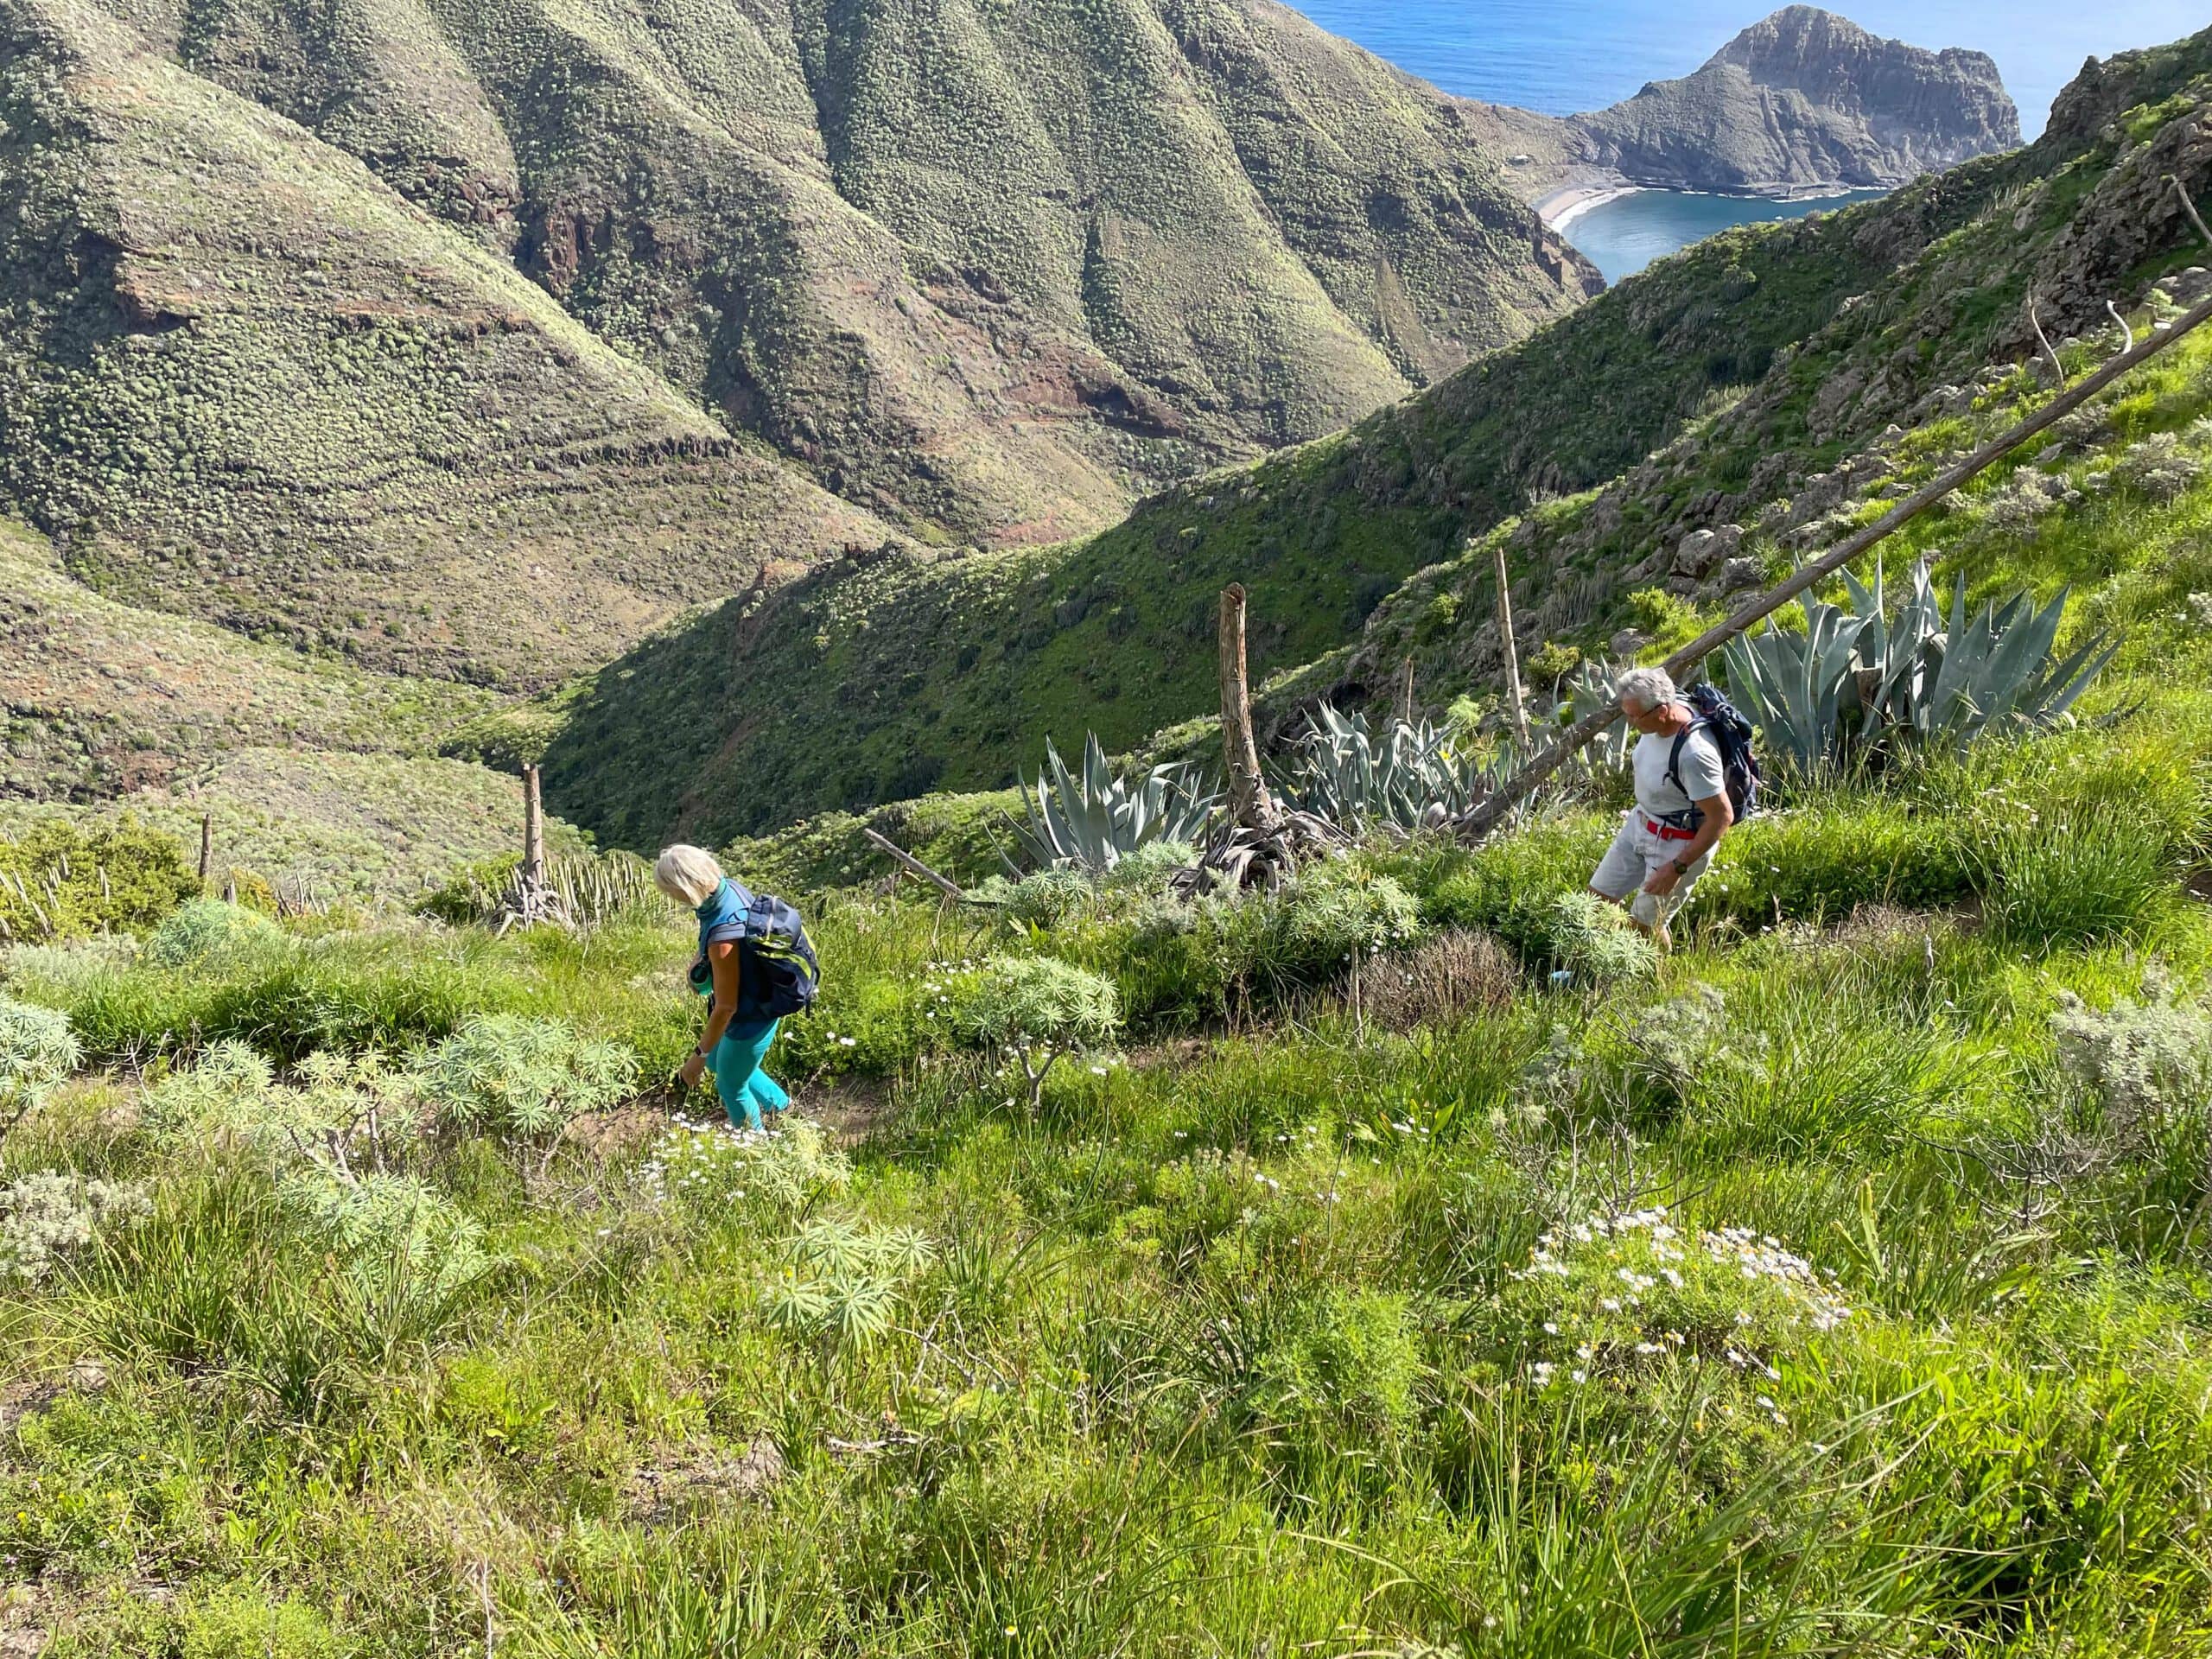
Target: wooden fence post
(1248, 790)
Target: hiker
(1683, 800)
(732, 1045)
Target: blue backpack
(1731, 734)
(778, 973)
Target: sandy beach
(1562, 207)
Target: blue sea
(1563, 56)
(1621, 237)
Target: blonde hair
(687, 874)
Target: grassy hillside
(239, 378)
(1836, 1284)
(1764, 355)
(989, 273)
(320, 776)
(102, 700)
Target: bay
(1621, 237)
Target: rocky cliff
(1804, 100)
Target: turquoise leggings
(746, 1089)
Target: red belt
(1667, 832)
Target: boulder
(1739, 573)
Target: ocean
(1564, 56)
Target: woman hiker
(732, 1045)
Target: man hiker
(1683, 806)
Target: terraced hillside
(990, 274)
(318, 775)
(1775, 350)
(241, 379)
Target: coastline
(1562, 207)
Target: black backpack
(778, 973)
(1731, 735)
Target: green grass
(1228, 1346)
(1232, 1340)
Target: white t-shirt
(1700, 770)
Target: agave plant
(1413, 777)
(1588, 689)
(1095, 821)
(1855, 681)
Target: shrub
(843, 1285)
(1503, 884)
(1685, 1043)
(710, 1169)
(225, 1096)
(235, 1622)
(1181, 959)
(1582, 935)
(404, 1254)
(207, 931)
(1461, 971)
(2158, 468)
(37, 1051)
(46, 1217)
(1330, 913)
(1035, 1009)
(1049, 897)
(1348, 1363)
(509, 1075)
(1627, 1301)
(2140, 1058)
(60, 881)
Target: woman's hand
(694, 1068)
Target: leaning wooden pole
(206, 848)
(1485, 815)
(1248, 790)
(1505, 642)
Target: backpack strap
(1692, 813)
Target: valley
(1205, 1226)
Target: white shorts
(1629, 862)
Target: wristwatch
(1680, 868)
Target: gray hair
(689, 875)
(1647, 688)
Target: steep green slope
(1778, 349)
(1903, 380)
(240, 379)
(990, 271)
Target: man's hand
(1661, 882)
(694, 1068)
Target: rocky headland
(1802, 102)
